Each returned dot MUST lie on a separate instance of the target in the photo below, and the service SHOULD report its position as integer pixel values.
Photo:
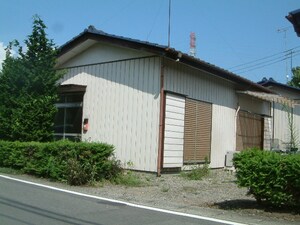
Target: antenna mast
(169, 24)
(284, 30)
(192, 44)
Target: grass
(197, 173)
(10, 171)
(129, 179)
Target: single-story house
(285, 117)
(160, 108)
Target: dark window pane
(61, 99)
(68, 98)
(68, 120)
(74, 98)
(59, 121)
(73, 120)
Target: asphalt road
(23, 203)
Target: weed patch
(197, 173)
(128, 179)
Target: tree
(28, 84)
(295, 81)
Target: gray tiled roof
(163, 50)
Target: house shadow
(248, 204)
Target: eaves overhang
(294, 18)
(270, 97)
(92, 35)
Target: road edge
(123, 202)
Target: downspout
(273, 122)
(161, 120)
(235, 127)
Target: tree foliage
(295, 81)
(28, 84)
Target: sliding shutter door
(250, 129)
(174, 131)
(197, 131)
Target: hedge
(77, 163)
(271, 177)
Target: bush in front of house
(76, 163)
(271, 177)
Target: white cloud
(2, 53)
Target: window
(68, 119)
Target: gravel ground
(215, 196)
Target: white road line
(124, 203)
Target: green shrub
(270, 177)
(76, 163)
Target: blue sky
(228, 32)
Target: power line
(154, 21)
(255, 67)
(266, 57)
(286, 56)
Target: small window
(68, 119)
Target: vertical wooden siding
(174, 131)
(122, 104)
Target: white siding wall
(205, 87)
(223, 137)
(174, 131)
(267, 133)
(281, 131)
(122, 104)
(99, 53)
(281, 127)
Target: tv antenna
(169, 24)
(284, 30)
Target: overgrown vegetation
(128, 179)
(198, 172)
(75, 163)
(28, 84)
(293, 132)
(295, 81)
(272, 178)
